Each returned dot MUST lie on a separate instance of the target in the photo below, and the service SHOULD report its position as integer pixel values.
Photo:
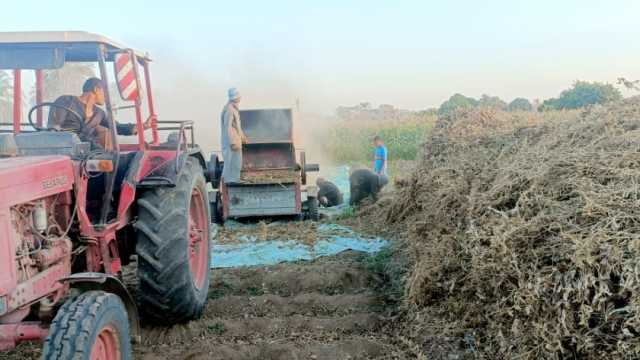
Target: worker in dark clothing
(365, 183)
(88, 120)
(328, 193)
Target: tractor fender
(166, 176)
(199, 155)
(87, 281)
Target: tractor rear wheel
(92, 326)
(173, 247)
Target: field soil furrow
(323, 309)
(353, 348)
(329, 276)
(309, 304)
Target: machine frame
(274, 172)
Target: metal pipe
(138, 102)
(174, 128)
(39, 96)
(175, 121)
(181, 137)
(124, 107)
(152, 111)
(12, 334)
(17, 100)
(110, 177)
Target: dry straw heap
(524, 232)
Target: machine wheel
(312, 209)
(173, 247)
(215, 171)
(91, 326)
(216, 209)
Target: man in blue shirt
(380, 160)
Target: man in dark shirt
(94, 125)
(365, 183)
(328, 193)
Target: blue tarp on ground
(251, 252)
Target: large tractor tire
(173, 247)
(91, 326)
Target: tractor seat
(51, 143)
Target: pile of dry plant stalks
(305, 232)
(269, 176)
(527, 239)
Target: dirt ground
(326, 309)
(323, 309)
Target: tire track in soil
(322, 309)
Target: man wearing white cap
(232, 138)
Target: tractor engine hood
(26, 178)
(23, 179)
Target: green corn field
(352, 142)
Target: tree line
(580, 94)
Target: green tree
(520, 104)
(457, 101)
(581, 94)
(492, 102)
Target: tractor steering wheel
(53, 105)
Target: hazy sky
(413, 54)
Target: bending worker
(232, 138)
(328, 193)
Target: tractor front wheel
(173, 247)
(92, 326)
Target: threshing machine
(273, 182)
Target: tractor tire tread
(167, 294)
(70, 333)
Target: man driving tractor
(88, 120)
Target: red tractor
(72, 217)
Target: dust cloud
(184, 92)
